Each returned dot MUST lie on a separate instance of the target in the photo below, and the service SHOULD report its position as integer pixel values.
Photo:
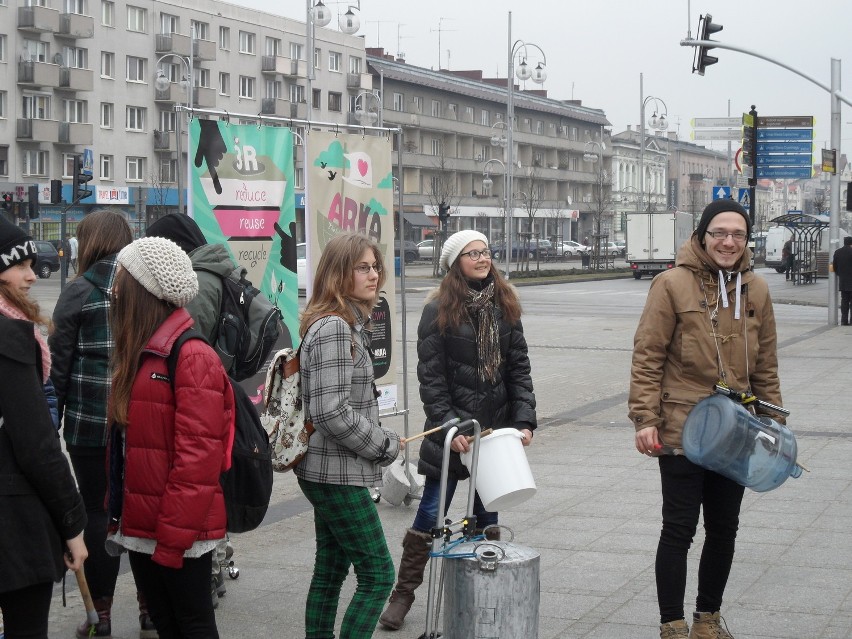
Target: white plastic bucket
(395, 484)
(503, 477)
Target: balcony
(276, 64)
(38, 19)
(73, 79)
(74, 25)
(172, 43)
(75, 133)
(35, 130)
(299, 110)
(361, 81)
(204, 50)
(164, 141)
(275, 106)
(204, 97)
(38, 74)
(172, 93)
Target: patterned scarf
(483, 314)
(12, 312)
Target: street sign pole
(752, 181)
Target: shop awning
(418, 219)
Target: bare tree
(157, 194)
(601, 207)
(530, 202)
(442, 193)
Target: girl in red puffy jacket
(175, 436)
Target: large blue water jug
(753, 450)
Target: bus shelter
(807, 235)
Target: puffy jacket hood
(213, 258)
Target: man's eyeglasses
(364, 269)
(739, 236)
(474, 255)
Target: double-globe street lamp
(318, 15)
(363, 112)
(656, 122)
(487, 183)
(524, 72)
(162, 83)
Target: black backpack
(248, 484)
(247, 327)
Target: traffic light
(55, 191)
(80, 191)
(32, 203)
(706, 28)
(444, 213)
(7, 201)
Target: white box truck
(653, 239)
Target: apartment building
(78, 76)
(454, 135)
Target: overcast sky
(596, 50)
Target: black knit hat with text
(723, 205)
(15, 245)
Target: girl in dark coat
(472, 363)
(80, 346)
(42, 512)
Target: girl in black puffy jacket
(472, 363)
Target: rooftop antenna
(439, 30)
(399, 53)
(379, 24)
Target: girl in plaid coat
(349, 446)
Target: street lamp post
(538, 75)
(658, 123)
(162, 83)
(487, 183)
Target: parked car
(48, 259)
(543, 249)
(425, 249)
(302, 267)
(498, 251)
(623, 246)
(412, 252)
(570, 248)
(615, 250)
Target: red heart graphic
(362, 167)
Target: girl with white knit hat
(171, 439)
(472, 363)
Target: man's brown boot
(705, 625)
(674, 630)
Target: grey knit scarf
(483, 314)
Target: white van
(776, 236)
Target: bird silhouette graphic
(332, 174)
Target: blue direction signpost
(784, 149)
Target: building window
(135, 169)
(436, 146)
(3, 98)
(436, 108)
(135, 119)
(453, 110)
(35, 50)
(485, 117)
(246, 42)
(299, 178)
(225, 38)
(75, 57)
(573, 135)
(107, 162)
(35, 162)
(273, 89)
(317, 58)
(137, 19)
(539, 127)
(108, 13)
(107, 64)
(36, 107)
(136, 69)
(168, 171)
(417, 103)
(168, 120)
(224, 83)
(201, 29)
(297, 51)
(398, 102)
(75, 111)
(335, 102)
(316, 100)
(2, 47)
(4, 160)
(169, 24)
(107, 117)
(354, 64)
(273, 46)
(297, 93)
(202, 78)
(468, 114)
(246, 87)
(334, 60)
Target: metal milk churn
(494, 594)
